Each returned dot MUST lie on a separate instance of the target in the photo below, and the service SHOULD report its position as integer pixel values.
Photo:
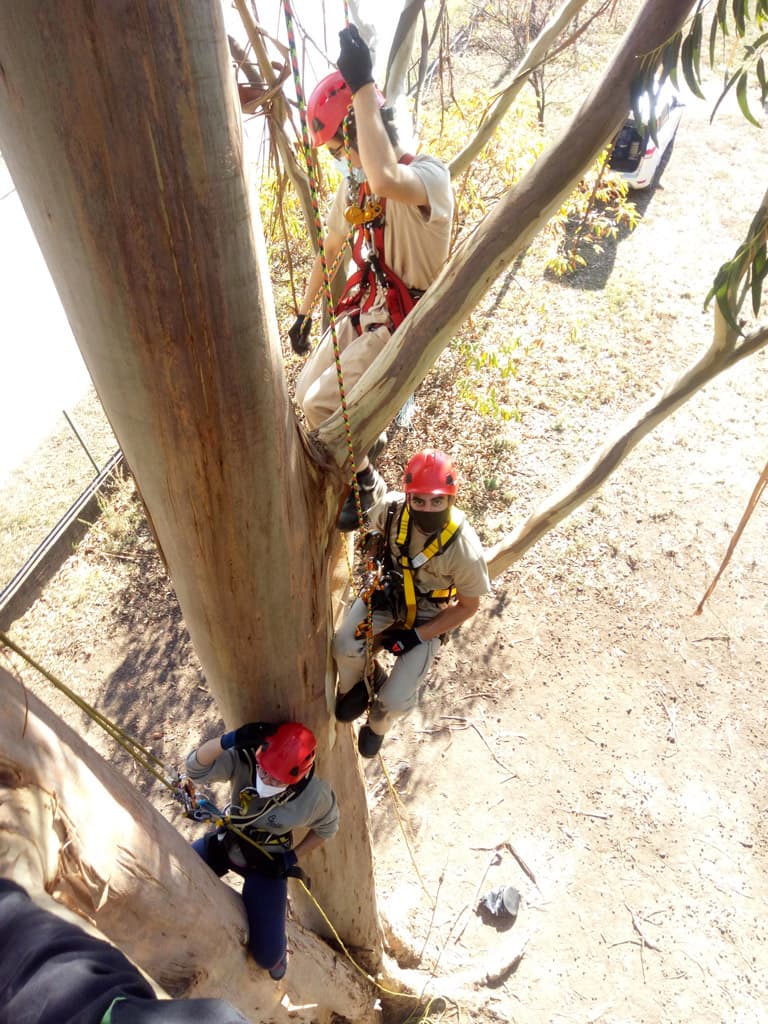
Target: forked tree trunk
(121, 129)
(74, 828)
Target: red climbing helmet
(328, 105)
(327, 108)
(430, 472)
(289, 753)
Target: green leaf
(739, 16)
(741, 96)
(696, 32)
(721, 297)
(721, 97)
(759, 270)
(760, 71)
(636, 89)
(722, 16)
(670, 56)
(721, 290)
(712, 41)
(758, 44)
(689, 65)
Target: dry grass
(37, 493)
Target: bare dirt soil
(585, 739)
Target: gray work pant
(398, 694)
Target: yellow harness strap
(408, 564)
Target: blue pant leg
(266, 901)
(212, 851)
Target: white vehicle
(636, 155)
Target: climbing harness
(389, 583)
(196, 807)
(386, 574)
(373, 274)
(436, 545)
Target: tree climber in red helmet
(274, 790)
(434, 574)
(401, 207)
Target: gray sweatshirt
(313, 808)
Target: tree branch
(414, 348)
(535, 54)
(399, 59)
(635, 428)
(280, 113)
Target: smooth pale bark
(505, 232)
(122, 133)
(535, 54)
(74, 828)
(400, 60)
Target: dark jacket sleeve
(52, 972)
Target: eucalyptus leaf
(741, 96)
(689, 68)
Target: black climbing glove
(247, 737)
(400, 641)
(355, 62)
(296, 872)
(299, 334)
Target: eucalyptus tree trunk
(74, 828)
(121, 128)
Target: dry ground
(587, 739)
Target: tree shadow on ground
(594, 276)
(157, 691)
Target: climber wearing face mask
(398, 208)
(274, 790)
(431, 573)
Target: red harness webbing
(373, 271)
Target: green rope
(141, 754)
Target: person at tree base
(274, 790)
(53, 972)
(433, 576)
(399, 208)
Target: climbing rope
(326, 290)
(401, 819)
(197, 807)
(313, 188)
(141, 754)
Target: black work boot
(372, 488)
(353, 703)
(369, 742)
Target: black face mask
(431, 522)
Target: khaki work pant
(401, 690)
(317, 386)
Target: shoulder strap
(374, 271)
(436, 545)
(441, 540)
